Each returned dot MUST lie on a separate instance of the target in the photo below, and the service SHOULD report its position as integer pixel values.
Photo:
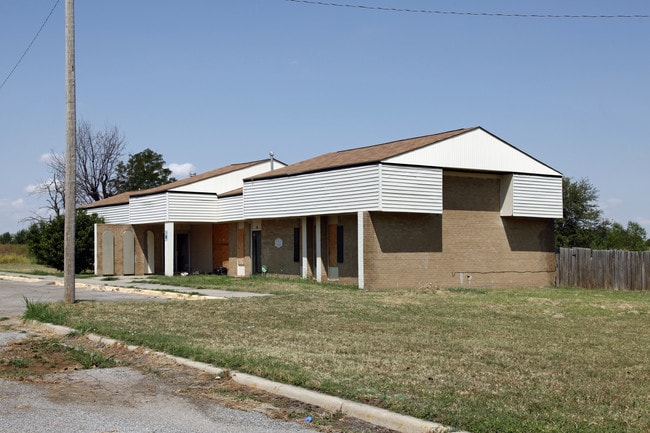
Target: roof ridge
(459, 130)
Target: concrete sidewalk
(134, 285)
(140, 284)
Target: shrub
(45, 241)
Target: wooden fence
(603, 269)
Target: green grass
(28, 268)
(42, 311)
(19, 362)
(483, 360)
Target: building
(457, 208)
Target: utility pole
(70, 158)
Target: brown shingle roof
(124, 197)
(360, 155)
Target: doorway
(256, 251)
(182, 253)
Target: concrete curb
(371, 414)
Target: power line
(30, 45)
(475, 14)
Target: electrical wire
(475, 14)
(30, 45)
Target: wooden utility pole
(70, 157)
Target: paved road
(107, 400)
(14, 292)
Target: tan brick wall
(470, 244)
(140, 245)
(158, 231)
(118, 249)
(279, 259)
(349, 267)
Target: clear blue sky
(208, 83)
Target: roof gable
(181, 185)
(475, 149)
(361, 155)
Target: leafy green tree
(584, 227)
(582, 221)
(5, 238)
(20, 237)
(143, 170)
(45, 241)
(631, 238)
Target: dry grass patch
(507, 360)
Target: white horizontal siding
(411, 189)
(192, 207)
(536, 196)
(230, 209)
(148, 209)
(475, 150)
(336, 191)
(112, 214)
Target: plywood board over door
(220, 250)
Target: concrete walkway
(133, 285)
(140, 283)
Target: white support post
(96, 249)
(360, 268)
(303, 238)
(319, 253)
(169, 249)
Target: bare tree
(98, 153)
(53, 190)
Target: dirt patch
(44, 357)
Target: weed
(19, 363)
(14, 259)
(473, 290)
(90, 360)
(44, 312)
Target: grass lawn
(482, 360)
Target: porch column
(332, 248)
(241, 249)
(303, 241)
(96, 249)
(360, 269)
(319, 254)
(169, 249)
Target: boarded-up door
(128, 252)
(220, 246)
(150, 256)
(108, 253)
